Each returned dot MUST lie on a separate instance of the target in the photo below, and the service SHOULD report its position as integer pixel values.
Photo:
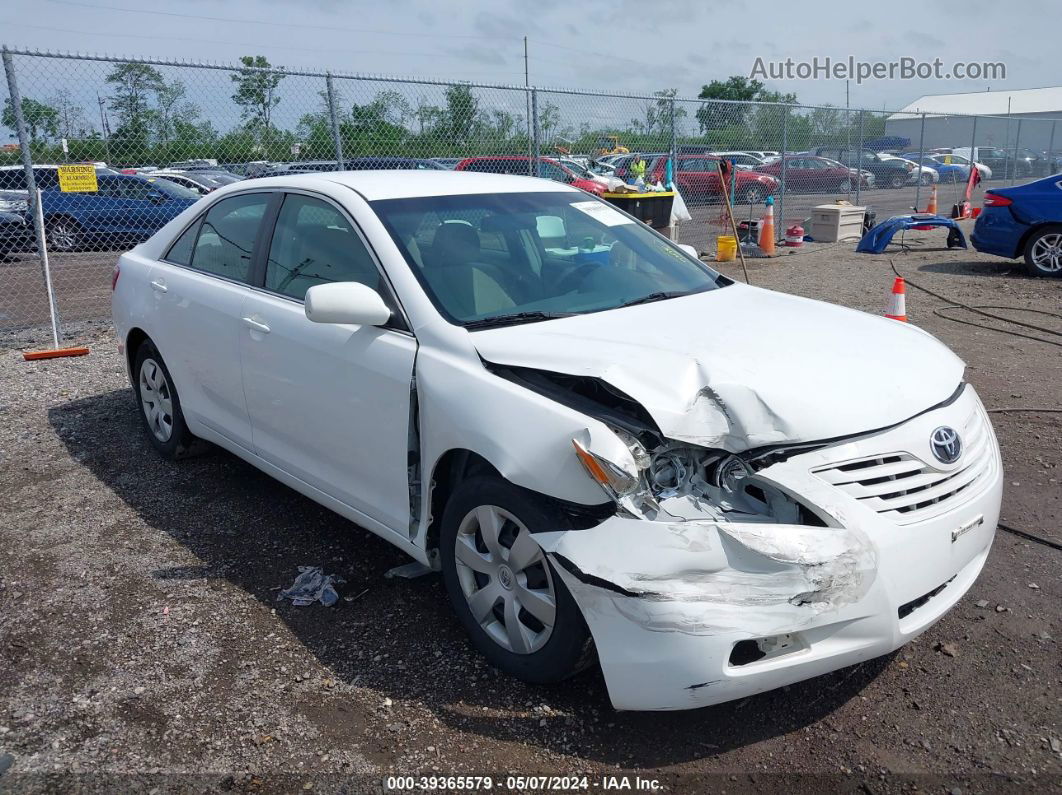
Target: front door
(329, 404)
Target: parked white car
(589, 432)
(918, 174)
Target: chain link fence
(163, 134)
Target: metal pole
(33, 195)
(336, 139)
(535, 150)
(1017, 146)
(674, 169)
(973, 144)
(781, 187)
(527, 98)
(921, 158)
(859, 179)
(1051, 152)
(1006, 144)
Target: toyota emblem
(945, 444)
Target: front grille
(905, 489)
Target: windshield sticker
(599, 211)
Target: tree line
(147, 119)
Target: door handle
(254, 325)
(159, 286)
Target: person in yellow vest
(637, 168)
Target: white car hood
(739, 367)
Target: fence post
(1017, 146)
(921, 157)
(973, 145)
(33, 196)
(785, 148)
(337, 140)
(674, 145)
(1051, 151)
(535, 142)
(859, 179)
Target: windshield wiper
(660, 296)
(517, 317)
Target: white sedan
(610, 451)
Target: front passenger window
(226, 239)
(313, 243)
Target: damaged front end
(655, 478)
(723, 573)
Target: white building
(1024, 118)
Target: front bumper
(668, 603)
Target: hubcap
(505, 579)
(156, 400)
(1047, 253)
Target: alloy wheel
(62, 236)
(505, 579)
(156, 400)
(1047, 253)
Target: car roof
(390, 184)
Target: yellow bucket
(725, 248)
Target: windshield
(494, 259)
(163, 185)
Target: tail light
(995, 200)
(114, 276)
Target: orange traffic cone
(767, 229)
(931, 208)
(897, 301)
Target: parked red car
(521, 165)
(816, 174)
(698, 179)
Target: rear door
(199, 288)
(329, 404)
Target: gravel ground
(144, 646)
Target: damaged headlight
(679, 481)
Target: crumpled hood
(741, 367)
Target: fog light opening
(746, 652)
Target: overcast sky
(619, 45)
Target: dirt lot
(143, 645)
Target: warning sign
(78, 178)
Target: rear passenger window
(313, 243)
(180, 252)
(226, 239)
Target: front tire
(897, 181)
(925, 180)
(160, 405)
(753, 195)
(64, 234)
(1043, 252)
(510, 600)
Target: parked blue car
(126, 209)
(949, 172)
(1024, 221)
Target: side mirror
(346, 302)
(689, 250)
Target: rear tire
(514, 606)
(1043, 252)
(925, 180)
(160, 405)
